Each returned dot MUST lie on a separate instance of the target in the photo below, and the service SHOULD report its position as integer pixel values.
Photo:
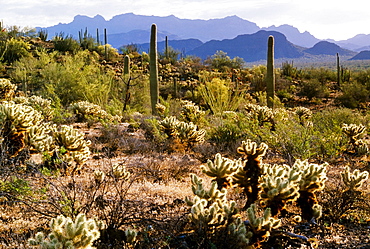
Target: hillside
(328, 48)
(363, 55)
(249, 47)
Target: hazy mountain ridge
(231, 34)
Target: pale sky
(324, 19)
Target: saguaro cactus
(338, 71)
(153, 64)
(270, 78)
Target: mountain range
(232, 34)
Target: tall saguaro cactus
(338, 71)
(270, 78)
(154, 89)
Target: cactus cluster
(304, 114)
(38, 103)
(16, 120)
(85, 110)
(66, 233)
(262, 114)
(190, 112)
(187, 133)
(354, 133)
(7, 90)
(313, 178)
(279, 186)
(212, 212)
(261, 226)
(353, 181)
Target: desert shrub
(69, 79)
(65, 44)
(219, 96)
(354, 95)
(13, 49)
(313, 88)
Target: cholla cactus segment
(238, 231)
(190, 112)
(70, 138)
(39, 138)
(65, 233)
(221, 169)
(19, 117)
(161, 109)
(278, 187)
(99, 176)
(354, 180)
(189, 133)
(316, 211)
(119, 171)
(7, 90)
(85, 110)
(249, 148)
(313, 176)
(303, 113)
(361, 147)
(203, 216)
(262, 114)
(211, 195)
(353, 131)
(169, 126)
(130, 235)
(261, 226)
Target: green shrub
(353, 95)
(13, 49)
(66, 44)
(313, 88)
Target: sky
(325, 19)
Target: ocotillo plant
(270, 78)
(153, 64)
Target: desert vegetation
(101, 148)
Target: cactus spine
(153, 64)
(270, 78)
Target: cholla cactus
(85, 110)
(279, 185)
(119, 171)
(39, 138)
(16, 121)
(221, 169)
(262, 114)
(65, 233)
(7, 90)
(238, 231)
(69, 146)
(261, 226)
(313, 178)
(42, 105)
(169, 126)
(161, 109)
(304, 114)
(99, 176)
(189, 134)
(247, 176)
(190, 112)
(354, 181)
(211, 195)
(131, 235)
(354, 132)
